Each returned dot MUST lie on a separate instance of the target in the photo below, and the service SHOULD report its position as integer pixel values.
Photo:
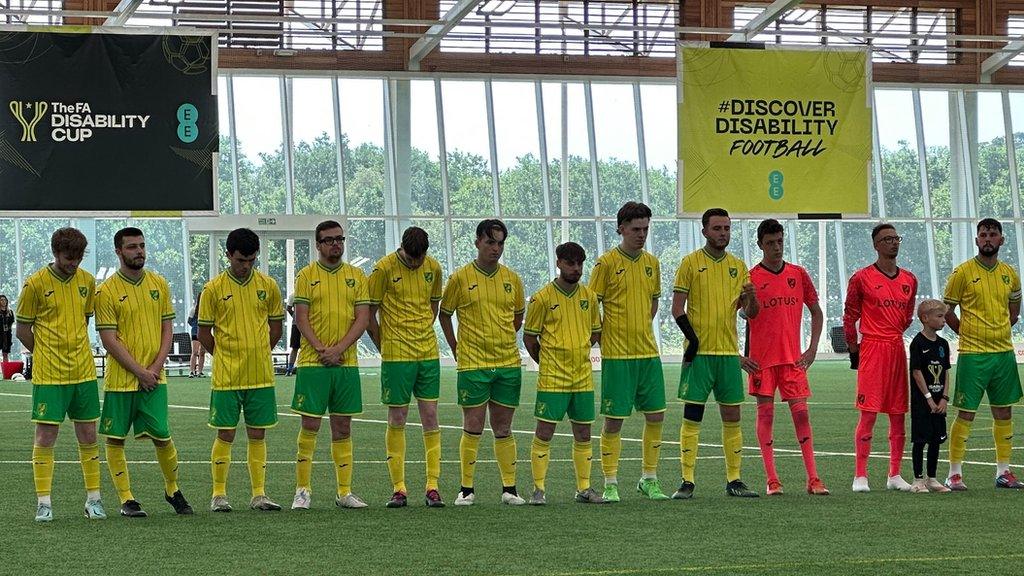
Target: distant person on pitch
(6, 321)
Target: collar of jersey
(986, 268)
(49, 269)
(563, 292)
(713, 259)
(404, 263)
(770, 271)
(129, 280)
(627, 256)
(240, 282)
(484, 272)
(330, 270)
(882, 272)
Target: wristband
(928, 395)
(946, 398)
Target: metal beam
(993, 63)
(771, 13)
(435, 33)
(123, 11)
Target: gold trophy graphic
(28, 129)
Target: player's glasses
(332, 240)
(891, 239)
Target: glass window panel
(470, 186)
(225, 167)
(580, 191)
(314, 148)
(617, 156)
(438, 244)
(659, 116)
(935, 120)
(365, 243)
(584, 234)
(992, 165)
(164, 256)
(362, 126)
(665, 237)
(806, 242)
(526, 252)
(199, 252)
(425, 169)
(464, 241)
(261, 174)
(8, 265)
(897, 137)
(35, 242)
(943, 248)
(833, 305)
(515, 126)
(551, 100)
(914, 256)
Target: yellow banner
(774, 132)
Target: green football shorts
(719, 374)
(322, 389)
(79, 402)
(994, 373)
(400, 381)
(553, 406)
(258, 404)
(498, 385)
(145, 411)
(632, 382)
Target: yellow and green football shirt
(332, 295)
(136, 311)
(485, 305)
(239, 312)
(404, 295)
(59, 312)
(713, 289)
(625, 286)
(984, 295)
(564, 323)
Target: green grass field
(845, 533)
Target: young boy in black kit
(929, 393)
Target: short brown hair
(415, 241)
(927, 306)
(632, 211)
(68, 241)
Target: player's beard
(135, 263)
(573, 279)
(988, 250)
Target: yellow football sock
(582, 457)
(432, 454)
(651, 447)
(89, 456)
(220, 462)
(468, 446)
(1002, 433)
(611, 449)
(118, 467)
(167, 457)
(505, 454)
(689, 432)
(394, 441)
(304, 458)
(958, 434)
(341, 452)
(732, 445)
(42, 469)
(539, 452)
(257, 457)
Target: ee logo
(775, 190)
(188, 131)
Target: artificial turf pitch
(845, 533)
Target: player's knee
(116, 441)
(612, 425)
(651, 417)
(693, 412)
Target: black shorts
(5, 342)
(927, 427)
(295, 338)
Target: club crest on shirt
(154, 294)
(733, 272)
(508, 288)
(83, 291)
(428, 276)
(350, 282)
(906, 289)
(584, 304)
(261, 295)
(1006, 279)
(791, 282)
(649, 271)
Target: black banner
(107, 122)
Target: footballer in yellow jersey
(988, 292)
(53, 312)
(627, 281)
(710, 286)
(332, 309)
(240, 322)
(405, 290)
(487, 299)
(562, 324)
(133, 317)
